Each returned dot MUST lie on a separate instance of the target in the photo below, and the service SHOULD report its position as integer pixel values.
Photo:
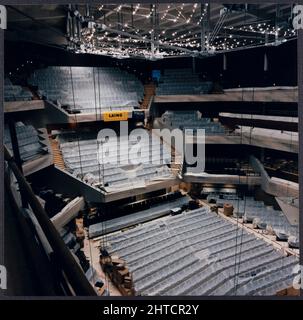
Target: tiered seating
(287, 166)
(191, 120)
(15, 93)
(149, 92)
(182, 81)
(81, 158)
(199, 253)
(265, 217)
(232, 166)
(89, 90)
(29, 143)
(154, 212)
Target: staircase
(57, 155)
(175, 167)
(149, 92)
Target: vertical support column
(203, 33)
(207, 22)
(132, 15)
(79, 26)
(205, 26)
(119, 28)
(68, 25)
(74, 24)
(266, 38)
(224, 62)
(278, 17)
(152, 36)
(265, 68)
(157, 26)
(87, 10)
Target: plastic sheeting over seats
(89, 90)
(200, 253)
(84, 157)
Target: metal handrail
(69, 265)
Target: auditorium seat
(29, 143)
(264, 215)
(196, 253)
(80, 157)
(182, 81)
(15, 93)
(89, 90)
(191, 119)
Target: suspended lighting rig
(174, 31)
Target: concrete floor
(91, 251)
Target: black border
(300, 156)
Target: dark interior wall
(28, 56)
(212, 109)
(244, 151)
(244, 67)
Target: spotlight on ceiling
(153, 56)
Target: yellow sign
(115, 116)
